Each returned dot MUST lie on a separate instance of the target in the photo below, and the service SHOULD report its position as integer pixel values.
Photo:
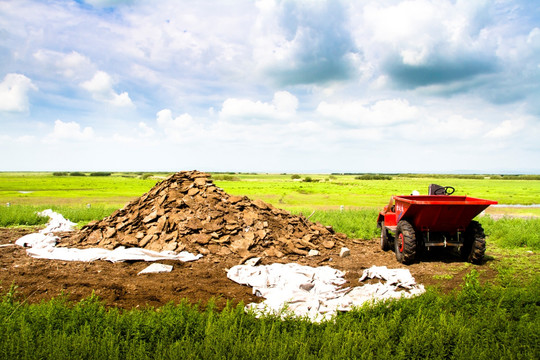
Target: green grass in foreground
(478, 322)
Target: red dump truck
(412, 223)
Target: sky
(380, 86)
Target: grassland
(482, 321)
(45, 189)
(323, 192)
(85, 198)
(332, 191)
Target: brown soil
(118, 284)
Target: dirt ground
(118, 285)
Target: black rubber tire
(405, 242)
(474, 244)
(386, 243)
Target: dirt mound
(188, 212)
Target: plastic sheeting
(116, 255)
(42, 245)
(45, 238)
(156, 268)
(316, 292)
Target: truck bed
(439, 212)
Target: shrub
(295, 176)
(373, 177)
(76, 173)
(60, 173)
(100, 173)
(225, 177)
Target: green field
(323, 192)
(85, 198)
(45, 189)
(499, 319)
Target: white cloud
(72, 65)
(166, 121)
(122, 99)
(125, 139)
(443, 75)
(285, 102)
(533, 39)
(176, 42)
(446, 127)
(182, 128)
(397, 119)
(358, 113)
(101, 83)
(417, 28)
(14, 93)
(70, 131)
(424, 42)
(245, 108)
(107, 3)
(26, 139)
(414, 56)
(101, 88)
(506, 128)
(304, 42)
(283, 106)
(145, 131)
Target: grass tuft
(15, 215)
(513, 232)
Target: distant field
(46, 189)
(331, 192)
(321, 193)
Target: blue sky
(270, 86)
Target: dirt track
(118, 284)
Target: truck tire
(474, 244)
(405, 242)
(386, 238)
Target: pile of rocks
(187, 211)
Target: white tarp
(316, 292)
(155, 268)
(42, 245)
(119, 254)
(45, 238)
(396, 277)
